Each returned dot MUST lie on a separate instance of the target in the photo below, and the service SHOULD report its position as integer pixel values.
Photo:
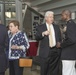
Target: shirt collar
(47, 25)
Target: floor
(35, 70)
(29, 71)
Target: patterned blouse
(21, 40)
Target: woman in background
(18, 44)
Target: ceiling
(31, 3)
(41, 6)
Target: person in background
(30, 35)
(4, 43)
(18, 44)
(0, 21)
(49, 35)
(68, 45)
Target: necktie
(51, 42)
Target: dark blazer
(44, 41)
(69, 43)
(3, 46)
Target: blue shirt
(19, 39)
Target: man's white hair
(48, 13)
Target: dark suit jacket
(44, 41)
(69, 43)
(3, 46)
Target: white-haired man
(49, 36)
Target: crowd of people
(52, 49)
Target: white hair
(49, 12)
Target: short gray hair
(49, 12)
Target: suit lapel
(44, 27)
(55, 30)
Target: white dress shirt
(53, 33)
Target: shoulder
(2, 26)
(21, 33)
(41, 26)
(55, 25)
(71, 22)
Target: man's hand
(45, 33)
(58, 45)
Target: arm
(6, 40)
(28, 45)
(70, 37)
(24, 44)
(39, 34)
(59, 35)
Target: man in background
(68, 45)
(0, 22)
(3, 45)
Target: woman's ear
(17, 27)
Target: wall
(27, 23)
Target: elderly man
(49, 35)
